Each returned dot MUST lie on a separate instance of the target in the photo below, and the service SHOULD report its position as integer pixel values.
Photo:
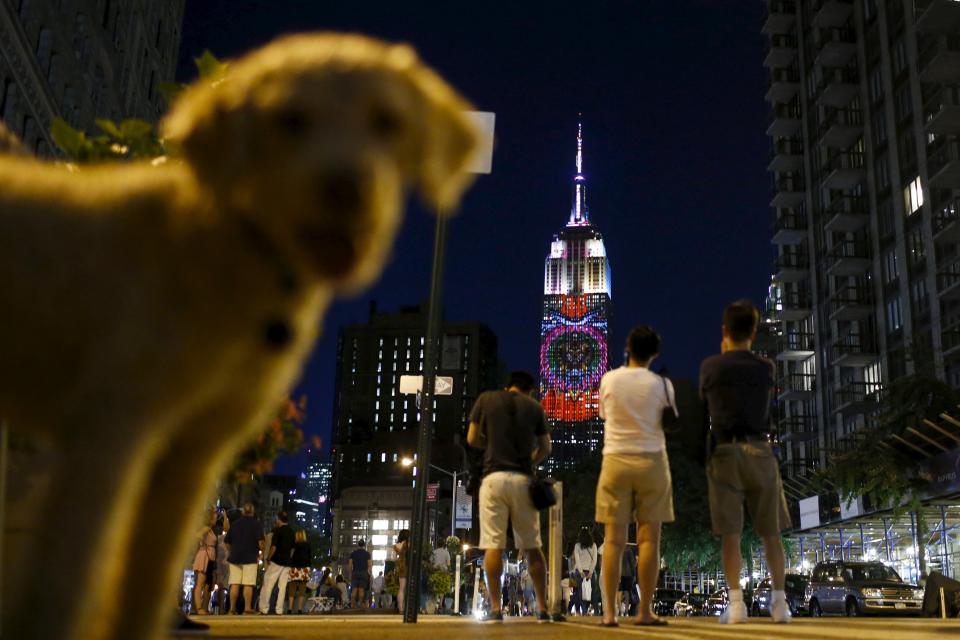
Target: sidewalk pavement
(436, 627)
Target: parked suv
(857, 588)
(795, 588)
(664, 599)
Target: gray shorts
(746, 471)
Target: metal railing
(943, 97)
(779, 8)
(935, 46)
(792, 261)
(850, 205)
(857, 392)
(948, 275)
(784, 112)
(850, 296)
(852, 345)
(796, 341)
(797, 382)
(841, 117)
(837, 75)
(831, 35)
(783, 41)
(843, 160)
(789, 222)
(786, 146)
(848, 249)
(946, 214)
(941, 153)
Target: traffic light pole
(411, 603)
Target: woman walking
(634, 483)
(299, 572)
(205, 564)
(401, 548)
(584, 565)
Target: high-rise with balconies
(864, 121)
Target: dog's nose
(342, 191)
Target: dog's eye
(292, 121)
(384, 122)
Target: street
(356, 627)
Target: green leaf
(72, 141)
(209, 67)
(170, 90)
(109, 126)
(134, 129)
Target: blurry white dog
(154, 316)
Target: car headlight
(872, 593)
(918, 594)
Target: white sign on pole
(810, 512)
(442, 385)
(482, 161)
(464, 510)
(852, 508)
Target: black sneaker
(558, 617)
(543, 616)
(493, 617)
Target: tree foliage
(282, 436)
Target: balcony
(789, 228)
(942, 111)
(796, 386)
(831, 13)
(836, 47)
(784, 120)
(791, 267)
(857, 397)
(841, 128)
(848, 258)
(843, 170)
(786, 155)
(940, 60)
(946, 222)
(846, 214)
(782, 85)
(948, 278)
(937, 16)
(779, 17)
(853, 350)
(794, 305)
(782, 53)
(787, 191)
(851, 303)
(950, 336)
(798, 429)
(838, 87)
(794, 345)
(943, 164)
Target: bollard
(943, 604)
(476, 592)
(456, 587)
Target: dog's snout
(342, 191)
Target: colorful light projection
(573, 355)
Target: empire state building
(574, 333)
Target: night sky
(675, 156)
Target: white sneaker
(735, 613)
(780, 612)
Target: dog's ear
(449, 141)
(200, 128)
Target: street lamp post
(453, 504)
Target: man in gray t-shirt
(511, 429)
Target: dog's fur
(153, 316)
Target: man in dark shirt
(244, 543)
(738, 389)
(361, 566)
(511, 428)
(277, 565)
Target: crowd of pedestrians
(634, 486)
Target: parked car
(664, 599)
(716, 603)
(857, 588)
(796, 589)
(690, 605)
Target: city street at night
(442, 627)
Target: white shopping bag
(586, 590)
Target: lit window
(369, 456)
(379, 555)
(913, 196)
(379, 540)
(383, 457)
(381, 525)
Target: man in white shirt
(441, 558)
(634, 483)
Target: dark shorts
(746, 472)
(626, 583)
(361, 581)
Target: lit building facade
(574, 332)
(315, 493)
(84, 59)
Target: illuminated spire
(579, 215)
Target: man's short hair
(643, 343)
(522, 380)
(248, 508)
(283, 517)
(361, 543)
(740, 319)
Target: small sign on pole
(443, 385)
(464, 509)
(432, 490)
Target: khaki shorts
(505, 497)
(746, 471)
(635, 487)
(245, 574)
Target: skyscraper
(574, 331)
(864, 122)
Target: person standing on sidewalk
(584, 565)
(244, 543)
(360, 566)
(511, 429)
(634, 483)
(277, 565)
(738, 389)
